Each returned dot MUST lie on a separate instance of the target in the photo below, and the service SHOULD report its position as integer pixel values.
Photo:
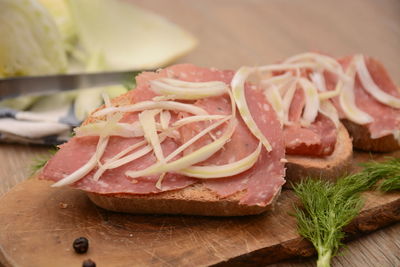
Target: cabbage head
(30, 40)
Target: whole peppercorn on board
(38, 225)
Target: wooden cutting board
(38, 225)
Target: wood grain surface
(37, 221)
(237, 32)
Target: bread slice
(198, 200)
(362, 139)
(192, 200)
(327, 168)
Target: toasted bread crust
(362, 139)
(192, 200)
(327, 168)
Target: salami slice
(386, 118)
(261, 182)
(318, 139)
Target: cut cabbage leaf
(237, 84)
(145, 105)
(86, 101)
(370, 86)
(312, 102)
(187, 91)
(347, 99)
(128, 37)
(89, 99)
(31, 43)
(62, 17)
(226, 170)
(20, 102)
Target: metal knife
(16, 86)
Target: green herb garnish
(328, 207)
(40, 161)
(389, 171)
(130, 82)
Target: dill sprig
(389, 171)
(326, 209)
(40, 161)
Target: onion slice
(165, 118)
(326, 108)
(347, 99)
(286, 66)
(226, 170)
(287, 100)
(197, 156)
(198, 118)
(322, 62)
(146, 105)
(148, 122)
(87, 167)
(274, 98)
(371, 87)
(117, 163)
(312, 102)
(319, 80)
(237, 84)
(116, 129)
(79, 173)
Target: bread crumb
(63, 205)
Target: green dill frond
(40, 161)
(389, 171)
(390, 184)
(327, 207)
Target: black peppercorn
(88, 263)
(81, 245)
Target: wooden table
(232, 33)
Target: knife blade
(16, 86)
